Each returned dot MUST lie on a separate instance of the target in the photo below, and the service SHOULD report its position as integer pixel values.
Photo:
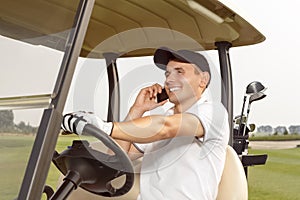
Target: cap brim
(163, 55)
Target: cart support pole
(114, 89)
(227, 93)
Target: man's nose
(171, 77)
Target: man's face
(182, 82)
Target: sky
(274, 62)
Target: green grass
(275, 138)
(279, 179)
(14, 154)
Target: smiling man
(184, 149)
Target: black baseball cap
(164, 54)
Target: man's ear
(204, 79)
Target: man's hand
(146, 99)
(75, 122)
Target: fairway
(14, 153)
(279, 179)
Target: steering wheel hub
(93, 170)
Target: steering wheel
(93, 170)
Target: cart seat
(233, 185)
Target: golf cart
(109, 31)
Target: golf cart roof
(204, 21)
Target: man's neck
(184, 106)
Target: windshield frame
(46, 138)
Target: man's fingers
(156, 88)
(154, 91)
(150, 92)
(160, 90)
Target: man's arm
(127, 146)
(145, 101)
(154, 128)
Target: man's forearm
(140, 130)
(157, 127)
(132, 114)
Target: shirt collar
(205, 97)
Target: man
(184, 150)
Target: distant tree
(21, 125)
(267, 129)
(6, 121)
(294, 129)
(23, 128)
(7, 124)
(281, 130)
(31, 129)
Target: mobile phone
(162, 96)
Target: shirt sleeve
(140, 147)
(214, 119)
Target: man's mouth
(173, 89)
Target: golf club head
(252, 127)
(237, 119)
(255, 87)
(256, 97)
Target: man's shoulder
(208, 106)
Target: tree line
(279, 130)
(7, 124)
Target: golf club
(255, 87)
(253, 97)
(252, 88)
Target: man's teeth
(174, 89)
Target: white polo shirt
(185, 167)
